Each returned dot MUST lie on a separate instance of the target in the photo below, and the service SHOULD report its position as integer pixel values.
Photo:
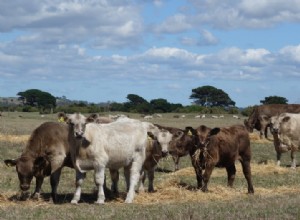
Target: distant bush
(247, 111)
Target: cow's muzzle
(24, 187)
(164, 153)
(79, 134)
(274, 130)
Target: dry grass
(14, 138)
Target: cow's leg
(276, 143)
(114, 174)
(38, 186)
(176, 161)
(206, 176)
(142, 181)
(198, 171)
(247, 173)
(261, 134)
(278, 156)
(79, 180)
(150, 180)
(231, 170)
(99, 180)
(54, 180)
(127, 176)
(293, 165)
(266, 132)
(134, 177)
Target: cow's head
(155, 147)
(279, 122)
(27, 167)
(77, 123)
(92, 117)
(190, 136)
(249, 126)
(202, 133)
(164, 138)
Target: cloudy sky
(103, 50)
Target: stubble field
(277, 191)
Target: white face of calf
(279, 123)
(78, 123)
(164, 138)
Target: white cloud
(173, 24)
(61, 22)
(232, 14)
(291, 52)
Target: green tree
(160, 105)
(211, 96)
(137, 104)
(274, 100)
(37, 98)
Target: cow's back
(230, 143)
(276, 109)
(51, 139)
(113, 145)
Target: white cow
(98, 146)
(157, 147)
(286, 130)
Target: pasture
(277, 191)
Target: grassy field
(277, 191)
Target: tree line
(206, 99)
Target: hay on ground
(14, 138)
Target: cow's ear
(286, 118)
(10, 162)
(92, 118)
(151, 135)
(214, 131)
(190, 131)
(62, 117)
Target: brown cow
(261, 116)
(221, 148)
(46, 153)
(180, 144)
(153, 154)
(187, 142)
(99, 119)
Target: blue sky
(103, 50)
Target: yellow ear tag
(189, 133)
(61, 119)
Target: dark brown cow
(186, 142)
(221, 148)
(180, 144)
(261, 115)
(46, 153)
(153, 155)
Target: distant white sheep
(148, 117)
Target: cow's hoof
(128, 201)
(204, 190)
(100, 202)
(35, 196)
(73, 201)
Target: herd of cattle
(96, 143)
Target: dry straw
(14, 138)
